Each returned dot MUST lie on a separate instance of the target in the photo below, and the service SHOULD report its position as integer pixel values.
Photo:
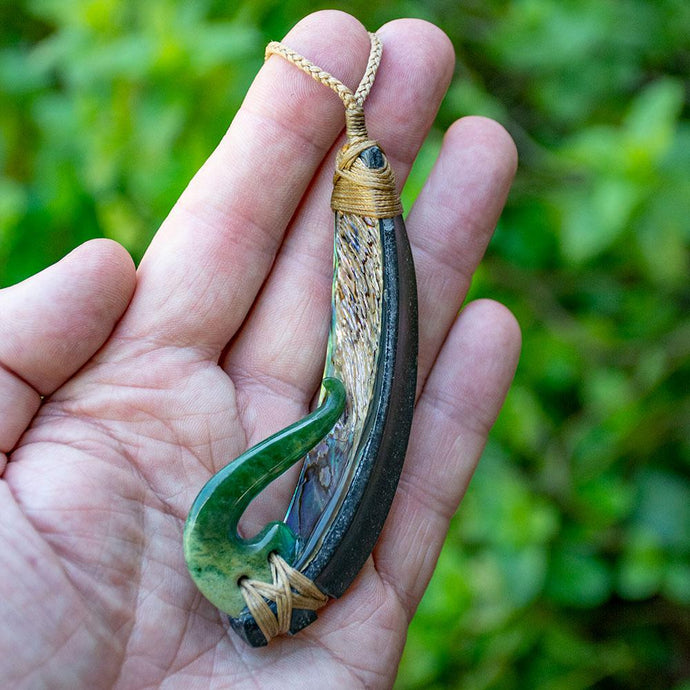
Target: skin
(155, 380)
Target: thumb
(52, 323)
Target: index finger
(210, 257)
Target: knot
(355, 127)
(289, 589)
(358, 188)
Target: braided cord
(356, 188)
(350, 100)
(373, 63)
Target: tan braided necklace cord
(356, 188)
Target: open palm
(154, 381)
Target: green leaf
(594, 218)
(578, 577)
(663, 509)
(677, 582)
(641, 570)
(652, 118)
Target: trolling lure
(354, 443)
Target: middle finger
(277, 359)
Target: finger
(455, 411)
(294, 308)
(452, 222)
(207, 262)
(53, 322)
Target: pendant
(353, 444)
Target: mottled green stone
(217, 557)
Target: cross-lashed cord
(289, 589)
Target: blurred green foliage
(568, 564)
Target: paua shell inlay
(353, 351)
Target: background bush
(568, 564)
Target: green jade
(217, 557)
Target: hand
(118, 403)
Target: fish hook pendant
(353, 444)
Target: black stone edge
(351, 538)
